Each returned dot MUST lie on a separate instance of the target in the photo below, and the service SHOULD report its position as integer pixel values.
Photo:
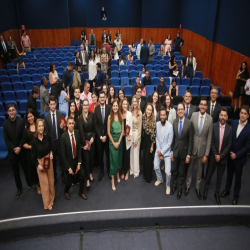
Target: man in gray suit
(92, 39)
(44, 95)
(181, 148)
(54, 129)
(151, 48)
(189, 108)
(84, 58)
(203, 131)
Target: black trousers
(88, 160)
(178, 166)
(101, 147)
(57, 152)
(247, 100)
(15, 168)
(177, 49)
(148, 158)
(31, 169)
(236, 168)
(91, 85)
(70, 178)
(210, 171)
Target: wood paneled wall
(217, 62)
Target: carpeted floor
(133, 193)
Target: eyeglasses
(179, 109)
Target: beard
(222, 121)
(163, 122)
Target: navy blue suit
(144, 54)
(240, 146)
(99, 80)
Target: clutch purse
(46, 162)
(127, 130)
(89, 145)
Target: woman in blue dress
(64, 100)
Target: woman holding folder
(87, 134)
(127, 138)
(41, 156)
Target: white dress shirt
(239, 129)
(83, 58)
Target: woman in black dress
(28, 136)
(127, 138)
(149, 135)
(172, 66)
(73, 112)
(173, 89)
(87, 133)
(241, 78)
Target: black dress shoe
(173, 190)
(179, 194)
(224, 193)
(92, 180)
(32, 187)
(205, 195)
(198, 194)
(18, 194)
(235, 201)
(100, 177)
(186, 191)
(217, 198)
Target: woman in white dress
(136, 137)
(92, 69)
(54, 79)
(97, 56)
(115, 52)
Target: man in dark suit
(101, 114)
(54, 129)
(78, 101)
(142, 103)
(92, 39)
(182, 148)
(104, 35)
(238, 154)
(220, 147)
(203, 131)
(13, 133)
(4, 51)
(84, 58)
(182, 70)
(137, 84)
(100, 79)
(71, 156)
(87, 48)
(31, 104)
(144, 54)
(214, 107)
(189, 108)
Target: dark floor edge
(32, 226)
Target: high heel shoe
(126, 177)
(88, 188)
(118, 178)
(113, 188)
(92, 180)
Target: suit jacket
(142, 106)
(151, 48)
(66, 149)
(100, 127)
(80, 108)
(191, 110)
(101, 79)
(165, 148)
(226, 143)
(202, 142)
(89, 49)
(44, 98)
(86, 57)
(182, 146)
(2, 50)
(216, 112)
(49, 125)
(144, 54)
(13, 136)
(241, 145)
(93, 39)
(104, 37)
(184, 72)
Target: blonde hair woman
(136, 137)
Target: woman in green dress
(115, 133)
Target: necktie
(78, 106)
(74, 146)
(187, 112)
(200, 127)
(102, 115)
(212, 110)
(4, 47)
(221, 137)
(180, 129)
(54, 126)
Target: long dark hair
(120, 89)
(171, 102)
(158, 103)
(172, 59)
(245, 69)
(75, 112)
(109, 96)
(51, 67)
(27, 124)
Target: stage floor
(133, 193)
